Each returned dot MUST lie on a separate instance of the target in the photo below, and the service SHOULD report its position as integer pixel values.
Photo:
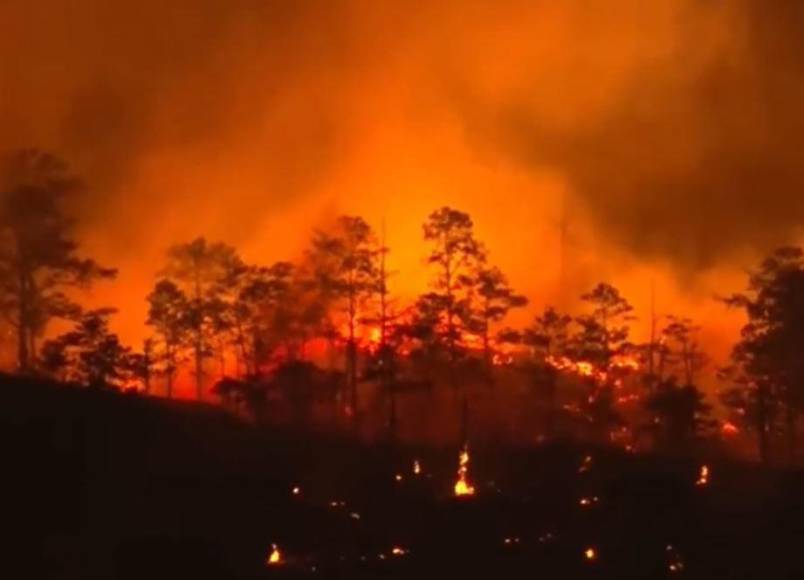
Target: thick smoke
(697, 159)
(672, 127)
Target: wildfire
(703, 476)
(275, 557)
(587, 369)
(590, 554)
(398, 551)
(462, 485)
(417, 468)
(588, 501)
(501, 359)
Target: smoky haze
(672, 128)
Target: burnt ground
(104, 485)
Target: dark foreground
(100, 485)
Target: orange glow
(587, 369)
(417, 468)
(590, 554)
(462, 485)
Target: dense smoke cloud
(698, 157)
(672, 126)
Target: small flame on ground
(586, 464)
(398, 477)
(275, 557)
(703, 476)
(587, 501)
(296, 490)
(675, 563)
(462, 485)
(417, 468)
(590, 554)
(398, 551)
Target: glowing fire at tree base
(462, 486)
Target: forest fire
(462, 485)
(588, 370)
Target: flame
(398, 551)
(417, 468)
(296, 490)
(275, 557)
(729, 429)
(462, 485)
(586, 464)
(590, 554)
(501, 359)
(703, 476)
(622, 363)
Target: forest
(322, 342)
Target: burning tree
(39, 256)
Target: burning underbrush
(182, 492)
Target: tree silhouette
(455, 256)
(39, 255)
(201, 269)
(260, 293)
(676, 405)
(92, 355)
(679, 412)
(767, 371)
(496, 299)
(141, 364)
(547, 337)
(344, 265)
(167, 314)
(603, 336)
